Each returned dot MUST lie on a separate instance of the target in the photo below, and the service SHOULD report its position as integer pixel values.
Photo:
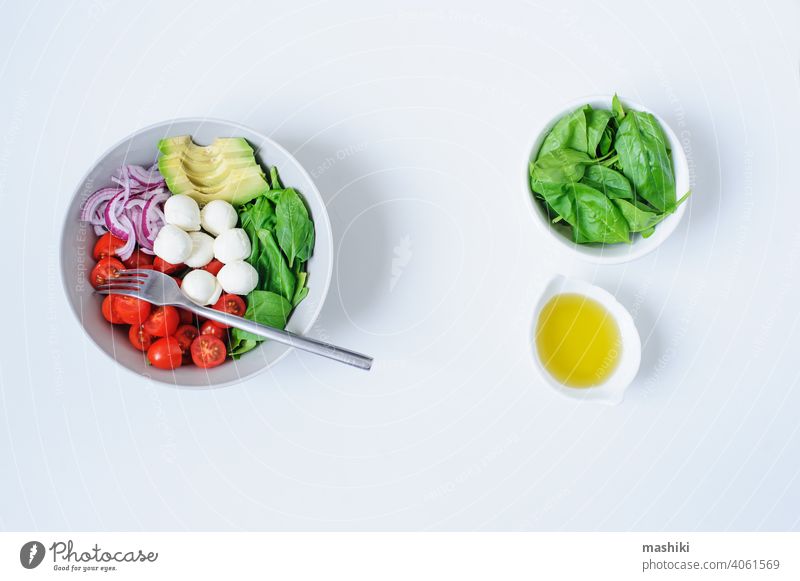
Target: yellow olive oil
(578, 340)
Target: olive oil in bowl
(578, 340)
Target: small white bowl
(78, 238)
(612, 390)
(610, 253)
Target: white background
(415, 120)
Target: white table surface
(415, 121)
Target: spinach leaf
(597, 219)
(606, 141)
(568, 133)
(293, 228)
(302, 289)
(612, 183)
(558, 166)
(280, 278)
(596, 123)
(560, 198)
(263, 307)
(643, 155)
(638, 217)
(616, 109)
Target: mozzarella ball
(183, 212)
(172, 244)
(232, 245)
(201, 287)
(218, 216)
(238, 277)
(202, 250)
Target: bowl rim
(612, 390)
(325, 218)
(640, 246)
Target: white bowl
(610, 253)
(77, 241)
(612, 390)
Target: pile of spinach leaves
(282, 239)
(605, 175)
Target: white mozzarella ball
(216, 294)
(232, 245)
(182, 211)
(202, 250)
(218, 216)
(201, 287)
(238, 277)
(172, 244)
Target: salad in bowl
(197, 200)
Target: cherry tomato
(233, 304)
(208, 351)
(210, 328)
(107, 245)
(178, 280)
(165, 267)
(162, 322)
(214, 267)
(105, 269)
(187, 318)
(185, 335)
(139, 260)
(130, 309)
(165, 353)
(140, 338)
(109, 312)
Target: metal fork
(161, 289)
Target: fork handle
(285, 337)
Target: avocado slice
(224, 170)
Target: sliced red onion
(145, 177)
(153, 217)
(132, 211)
(113, 215)
(130, 238)
(93, 201)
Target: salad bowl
(77, 240)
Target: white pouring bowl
(612, 390)
(77, 241)
(609, 253)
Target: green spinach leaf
(568, 133)
(612, 183)
(596, 123)
(643, 155)
(597, 219)
(263, 307)
(559, 166)
(293, 228)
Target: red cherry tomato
(209, 328)
(107, 245)
(233, 304)
(165, 353)
(165, 267)
(162, 322)
(139, 260)
(208, 351)
(140, 338)
(108, 310)
(214, 267)
(130, 309)
(105, 270)
(185, 335)
(179, 280)
(187, 318)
